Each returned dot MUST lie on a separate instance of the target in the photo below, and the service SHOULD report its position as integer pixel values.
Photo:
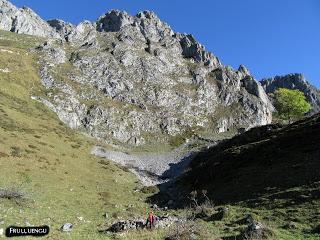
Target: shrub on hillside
(290, 104)
(16, 151)
(150, 189)
(12, 194)
(201, 206)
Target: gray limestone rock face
(255, 88)
(61, 27)
(243, 70)
(131, 79)
(113, 21)
(192, 49)
(146, 84)
(53, 55)
(24, 20)
(294, 81)
(152, 27)
(83, 33)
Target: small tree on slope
(290, 104)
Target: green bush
(290, 104)
(150, 189)
(16, 152)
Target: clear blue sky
(270, 37)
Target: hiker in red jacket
(150, 220)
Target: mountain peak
(23, 20)
(147, 14)
(242, 69)
(113, 21)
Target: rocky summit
(23, 20)
(294, 81)
(132, 79)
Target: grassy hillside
(272, 170)
(50, 164)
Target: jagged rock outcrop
(192, 49)
(113, 21)
(131, 79)
(83, 33)
(62, 27)
(24, 20)
(294, 81)
(53, 56)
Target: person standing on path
(150, 220)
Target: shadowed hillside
(264, 160)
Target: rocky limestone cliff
(294, 81)
(132, 79)
(24, 20)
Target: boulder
(67, 227)
(161, 222)
(256, 230)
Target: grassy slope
(273, 174)
(50, 163)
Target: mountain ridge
(131, 79)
